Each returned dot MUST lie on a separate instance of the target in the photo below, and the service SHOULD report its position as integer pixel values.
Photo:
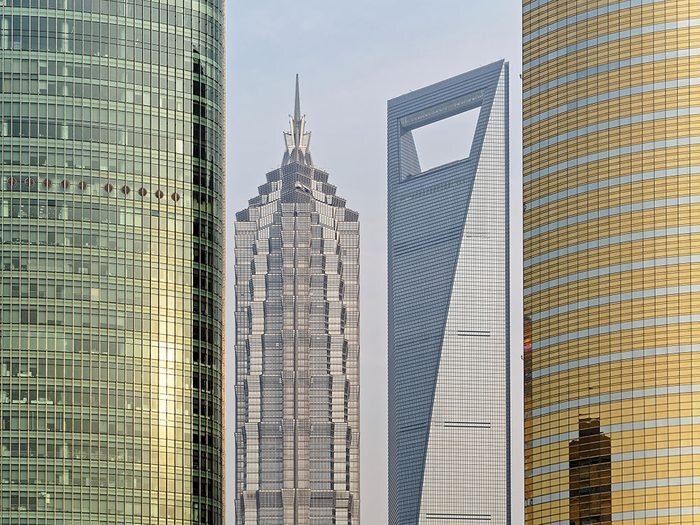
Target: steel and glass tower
(297, 347)
(111, 262)
(448, 309)
(612, 261)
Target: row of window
(97, 425)
(578, 18)
(78, 396)
(147, 10)
(71, 210)
(94, 505)
(88, 450)
(93, 132)
(22, 33)
(42, 235)
(85, 266)
(71, 291)
(164, 80)
(67, 316)
(105, 158)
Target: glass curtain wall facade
(111, 261)
(448, 309)
(611, 236)
(297, 348)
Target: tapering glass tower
(297, 347)
(612, 261)
(448, 308)
(111, 261)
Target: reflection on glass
(590, 475)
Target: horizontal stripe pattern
(611, 212)
(534, 5)
(588, 15)
(618, 487)
(604, 300)
(613, 152)
(611, 183)
(629, 426)
(610, 270)
(617, 327)
(656, 513)
(625, 456)
(611, 124)
(612, 95)
(614, 65)
(610, 241)
(613, 358)
(613, 397)
(611, 37)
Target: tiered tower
(297, 347)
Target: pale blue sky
(352, 57)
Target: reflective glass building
(448, 309)
(297, 348)
(111, 261)
(612, 282)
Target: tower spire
(297, 139)
(297, 103)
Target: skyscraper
(611, 233)
(111, 262)
(297, 347)
(448, 309)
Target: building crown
(297, 139)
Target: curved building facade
(612, 282)
(111, 262)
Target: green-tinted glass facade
(111, 261)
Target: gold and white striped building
(611, 109)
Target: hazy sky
(352, 56)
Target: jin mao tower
(297, 347)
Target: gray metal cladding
(297, 348)
(427, 240)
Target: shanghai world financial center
(448, 308)
(111, 254)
